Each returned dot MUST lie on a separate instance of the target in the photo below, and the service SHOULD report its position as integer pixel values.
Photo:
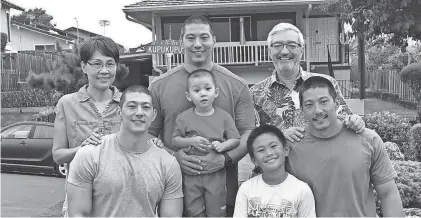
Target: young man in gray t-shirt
(126, 175)
(341, 167)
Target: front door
(324, 31)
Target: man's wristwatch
(228, 160)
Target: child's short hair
(198, 74)
(262, 129)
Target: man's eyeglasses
(100, 65)
(292, 46)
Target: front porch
(256, 53)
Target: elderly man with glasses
(276, 97)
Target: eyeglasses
(99, 65)
(292, 46)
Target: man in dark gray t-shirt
(341, 167)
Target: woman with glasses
(83, 117)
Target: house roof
(81, 30)
(157, 3)
(11, 5)
(53, 32)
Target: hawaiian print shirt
(277, 105)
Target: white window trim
(55, 47)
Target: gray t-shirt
(217, 127)
(125, 183)
(342, 170)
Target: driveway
(29, 195)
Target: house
(241, 28)
(5, 19)
(38, 37)
(83, 34)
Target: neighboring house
(35, 37)
(241, 28)
(83, 34)
(5, 19)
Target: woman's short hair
(106, 46)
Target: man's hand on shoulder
(294, 134)
(158, 142)
(355, 123)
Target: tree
(401, 18)
(3, 41)
(412, 75)
(65, 74)
(34, 16)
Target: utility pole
(104, 23)
(77, 29)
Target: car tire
(61, 170)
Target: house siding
(298, 19)
(23, 39)
(4, 22)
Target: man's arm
(171, 207)
(351, 120)
(82, 171)
(171, 204)
(158, 122)
(79, 200)
(382, 176)
(391, 203)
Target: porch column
(307, 47)
(153, 40)
(242, 34)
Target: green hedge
(408, 183)
(29, 98)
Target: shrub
(391, 128)
(29, 98)
(415, 141)
(408, 182)
(393, 151)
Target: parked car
(27, 147)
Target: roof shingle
(154, 3)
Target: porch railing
(256, 52)
(228, 53)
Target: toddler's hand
(217, 146)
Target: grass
(376, 105)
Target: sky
(88, 14)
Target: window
(43, 132)
(17, 132)
(45, 47)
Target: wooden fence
(390, 82)
(17, 66)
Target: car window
(43, 132)
(17, 132)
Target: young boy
(275, 193)
(199, 130)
